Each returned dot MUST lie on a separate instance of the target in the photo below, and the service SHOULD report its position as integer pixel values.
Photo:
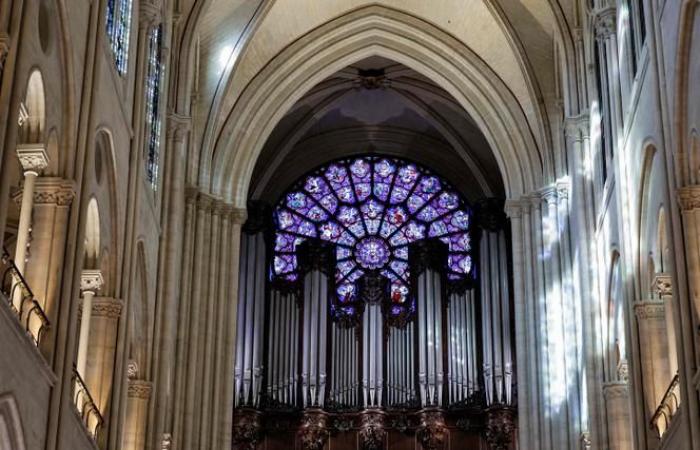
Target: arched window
(154, 78)
(118, 30)
(371, 208)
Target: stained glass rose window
(372, 208)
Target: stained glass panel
(372, 208)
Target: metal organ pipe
(314, 348)
(372, 366)
(495, 317)
(251, 297)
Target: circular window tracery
(372, 208)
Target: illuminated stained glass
(118, 26)
(372, 208)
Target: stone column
(617, 405)
(33, 159)
(138, 396)
(99, 375)
(689, 200)
(90, 283)
(52, 201)
(654, 351)
(662, 287)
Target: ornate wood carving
(372, 432)
(432, 430)
(500, 427)
(313, 432)
(247, 429)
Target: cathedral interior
(350, 224)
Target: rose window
(372, 208)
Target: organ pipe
(495, 318)
(372, 353)
(251, 308)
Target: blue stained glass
(118, 28)
(372, 208)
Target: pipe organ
(305, 357)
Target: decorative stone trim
(167, 441)
(52, 190)
(238, 215)
(578, 127)
(91, 281)
(33, 157)
(132, 370)
(178, 126)
(649, 309)
(662, 285)
(149, 14)
(514, 208)
(107, 307)
(689, 197)
(605, 22)
(139, 389)
(615, 389)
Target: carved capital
(149, 14)
(605, 23)
(649, 309)
(549, 195)
(107, 307)
(166, 442)
(33, 157)
(514, 209)
(562, 188)
(500, 427)
(54, 191)
(432, 430)
(662, 285)
(247, 429)
(578, 128)
(372, 432)
(139, 389)
(91, 281)
(178, 127)
(689, 197)
(586, 443)
(132, 370)
(238, 215)
(615, 390)
(313, 432)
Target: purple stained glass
(372, 208)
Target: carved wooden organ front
(368, 316)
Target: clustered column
(138, 396)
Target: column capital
(91, 281)
(615, 390)
(605, 22)
(33, 157)
(149, 14)
(514, 209)
(139, 389)
(53, 190)
(662, 285)
(178, 126)
(648, 309)
(109, 307)
(238, 215)
(689, 197)
(578, 127)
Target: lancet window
(118, 30)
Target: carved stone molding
(605, 23)
(33, 157)
(578, 128)
(238, 215)
(178, 127)
(432, 430)
(91, 281)
(139, 389)
(615, 390)
(166, 442)
(247, 429)
(372, 430)
(313, 432)
(149, 14)
(107, 307)
(662, 285)
(500, 427)
(50, 191)
(514, 208)
(132, 370)
(649, 309)
(689, 197)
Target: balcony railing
(21, 299)
(667, 408)
(87, 409)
